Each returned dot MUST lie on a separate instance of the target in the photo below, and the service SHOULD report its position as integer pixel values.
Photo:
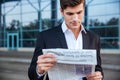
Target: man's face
(73, 16)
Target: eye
(79, 12)
(69, 13)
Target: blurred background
(22, 20)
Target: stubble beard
(75, 25)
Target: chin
(75, 27)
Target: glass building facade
(21, 21)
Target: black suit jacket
(55, 38)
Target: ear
(62, 12)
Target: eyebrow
(79, 12)
(71, 13)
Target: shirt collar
(65, 28)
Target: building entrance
(12, 41)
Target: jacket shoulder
(52, 30)
(91, 33)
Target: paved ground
(14, 65)
(13, 71)
(111, 66)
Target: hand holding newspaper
(71, 64)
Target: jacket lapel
(85, 40)
(61, 37)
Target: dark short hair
(70, 3)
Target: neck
(76, 32)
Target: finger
(44, 67)
(95, 76)
(98, 73)
(41, 57)
(98, 77)
(46, 55)
(46, 60)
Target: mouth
(75, 23)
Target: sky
(104, 9)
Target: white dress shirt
(72, 42)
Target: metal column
(86, 17)
(53, 12)
(39, 16)
(4, 24)
(119, 28)
(0, 15)
(21, 31)
(0, 25)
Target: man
(71, 35)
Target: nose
(75, 17)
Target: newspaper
(72, 64)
